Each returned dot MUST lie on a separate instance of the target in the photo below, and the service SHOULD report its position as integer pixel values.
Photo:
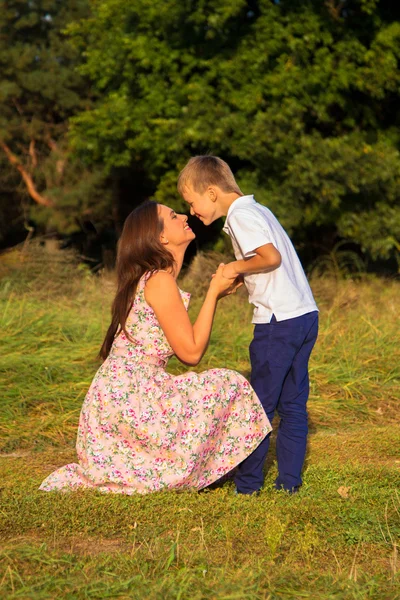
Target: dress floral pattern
(142, 429)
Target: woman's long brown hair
(139, 251)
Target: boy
(285, 314)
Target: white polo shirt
(284, 292)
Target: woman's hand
(221, 285)
(230, 270)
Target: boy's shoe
(291, 492)
(255, 493)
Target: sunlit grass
(337, 539)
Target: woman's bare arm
(189, 342)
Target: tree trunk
(33, 192)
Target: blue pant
(279, 355)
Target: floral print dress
(142, 429)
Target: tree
(299, 97)
(39, 91)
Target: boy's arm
(267, 258)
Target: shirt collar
(242, 201)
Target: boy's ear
(212, 193)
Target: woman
(142, 429)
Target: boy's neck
(225, 200)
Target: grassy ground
(337, 539)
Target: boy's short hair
(202, 171)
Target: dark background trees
(301, 98)
(42, 184)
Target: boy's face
(203, 206)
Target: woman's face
(176, 229)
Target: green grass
(337, 539)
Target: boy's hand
(224, 285)
(229, 271)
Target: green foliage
(299, 97)
(39, 90)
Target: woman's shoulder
(162, 285)
(159, 282)
(159, 277)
